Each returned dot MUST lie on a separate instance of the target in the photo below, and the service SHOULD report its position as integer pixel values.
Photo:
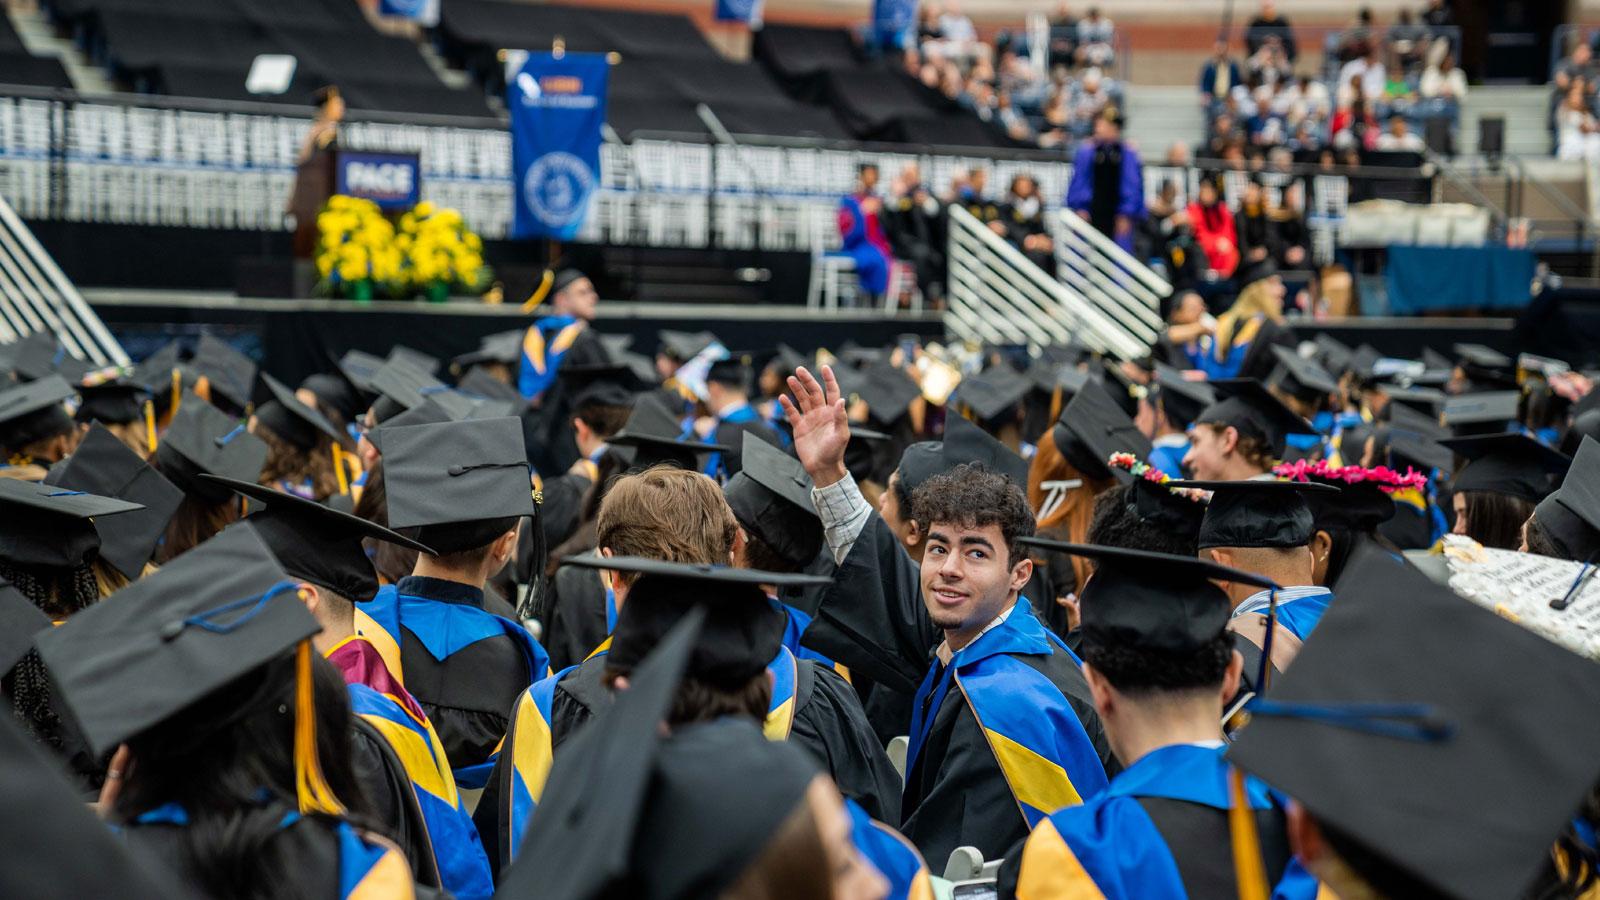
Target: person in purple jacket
(1107, 188)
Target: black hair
(702, 700)
(1495, 519)
(972, 495)
(1541, 542)
(1115, 524)
(1135, 669)
(228, 761)
(758, 554)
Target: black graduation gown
(731, 435)
(1410, 529)
(576, 623)
(383, 779)
(873, 621)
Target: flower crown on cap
(1387, 480)
(1128, 462)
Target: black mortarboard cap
(602, 392)
(294, 421)
(204, 439)
(1408, 447)
(733, 370)
(359, 366)
(1359, 506)
(1433, 359)
(1251, 408)
(481, 385)
(337, 392)
(964, 442)
(742, 630)
(1152, 502)
(654, 433)
(1300, 377)
(442, 479)
(1333, 355)
(1250, 273)
(201, 621)
(788, 359)
(154, 372)
(231, 374)
(862, 457)
(771, 498)
(1153, 600)
(1091, 429)
(315, 543)
(1512, 464)
(1482, 412)
(924, 459)
(33, 411)
(1123, 391)
(502, 347)
(1468, 793)
(20, 621)
(414, 358)
(992, 393)
(52, 527)
(39, 354)
(683, 345)
(1180, 398)
(111, 402)
(1256, 513)
(104, 465)
(1571, 515)
(428, 413)
(1428, 401)
(887, 391)
(400, 386)
(1486, 365)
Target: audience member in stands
(1107, 188)
(1399, 136)
(1265, 127)
(1579, 65)
(1364, 76)
(1214, 229)
(971, 193)
(1024, 222)
(1443, 81)
(1063, 36)
(1089, 96)
(1438, 15)
(959, 38)
(1354, 127)
(1254, 227)
(1268, 67)
(1268, 24)
(1095, 34)
(861, 232)
(1291, 239)
(915, 222)
(1359, 39)
(1218, 77)
(1408, 39)
(1577, 135)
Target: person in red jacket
(1214, 229)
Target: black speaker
(1492, 135)
(1440, 136)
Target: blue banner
(391, 180)
(746, 11)
(423, 12)
(557, 107)
(892, 20)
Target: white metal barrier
(997, 295)
(1124, 289)
(36, 296)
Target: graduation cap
(1180, 398)
(32, 411)
(964, 442)
(503, 347)
(1333, 355)
(1477, 413)
(429, 413)
(456, 482)
(1364, 361)
(1390, 730)
(1091, 429)
(207, 618)
(1486, 365)
(338, 392)
(861, 454)
(414, 358)
(1362, 502)
(1511, 463)
(887, 391)
(294, 421)
(315, 543)
(602, 392)
(154, 372)
(1150, 499)
(1301, 378)
(1260, 270)
(1123, 391)
(204, 439)
(992, 393)
(683, 345)
(732, 371)
(1571, 515)
(742, 630)
(52, 527)
(771, 498)
(1251, 408)
(1434, 360)
(359, 367)
(400, 386)
(787, 359)
(39, 355)
(1427, 401)
(1256, 513)
(1153, 600)
(20, 621)
(112, 402)
(481, 385)
(655, 435)
(231, 374)
(617, 348)
(104, 466)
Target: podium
(390, 179)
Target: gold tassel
(150, 425)
(338, 470)
(311, 787)
(1248, 871)
(1055, 404)
(545, 281)
(177, 393)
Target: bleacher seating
(18, 66)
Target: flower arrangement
(356, 254)
(1132, 464)
(441, 254)
(1386, 479)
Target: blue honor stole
(1036, 738)
(544, 345)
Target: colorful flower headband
(1140, 469)
(1387, 480)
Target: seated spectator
(1359, 39)
(1354, 127)
(1095, 34)
(1214, 229)
(1178, 156)
(1182, 254)
(1057, 119)
(972, 195)
(1014, 123)
(1438, 15)
(1303, 98)
(959, 35)
(1269, 24)
(1264, 127)
(1024, 222)
(1224, 131)
(1218, 77)
(1063, 36)
(1252, 225)
(1408, 39)
(914, 219)
(1290, 238)
(1364, 76)
(1577, 135)
(1089, 96)
(1399, 136)
(1398, 91)
(1269, 66)
(1444, 81)
(862, 236)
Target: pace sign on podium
(391, 180)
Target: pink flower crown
(1387, 480)
(1128, 462)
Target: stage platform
(290, 337)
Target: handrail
(1450, 173)
(997, 295)
(1120, 285)
(35, 295)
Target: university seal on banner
(557, 188)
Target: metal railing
(1124, 289)
(997, 295)
(36, 296)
